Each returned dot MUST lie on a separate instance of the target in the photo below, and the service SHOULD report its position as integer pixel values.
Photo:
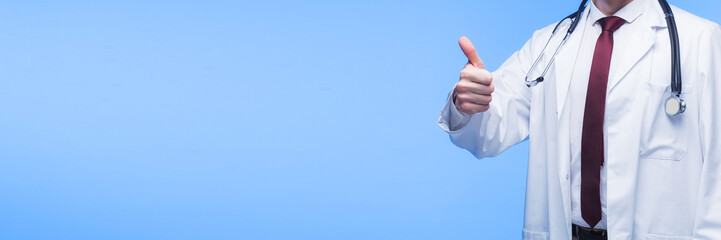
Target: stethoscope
(674, 104)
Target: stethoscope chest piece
(675, 105)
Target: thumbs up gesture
(473, 91)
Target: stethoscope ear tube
(574, 22)
(577, 17)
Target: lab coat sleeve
(456, 119)
(708, 213)
(506, 123)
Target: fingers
(474, 98)
(476, 88)
(471, 97)
(472, 108)
(470, 52)
(482, 76)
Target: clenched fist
(473, 91)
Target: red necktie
(592, 135)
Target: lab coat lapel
(562, 75)
(567, 59)
(644, 37)
(634, 52)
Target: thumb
(470, 52)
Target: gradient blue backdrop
(253, 119)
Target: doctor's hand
(473, 91)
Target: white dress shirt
(572, 114)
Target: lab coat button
(567, 176)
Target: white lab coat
(663, 173)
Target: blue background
(253, 120)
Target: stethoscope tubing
(676, 82)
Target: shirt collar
(630, 12)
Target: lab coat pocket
(663, 137)
(666, 237)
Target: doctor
(606, 159)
